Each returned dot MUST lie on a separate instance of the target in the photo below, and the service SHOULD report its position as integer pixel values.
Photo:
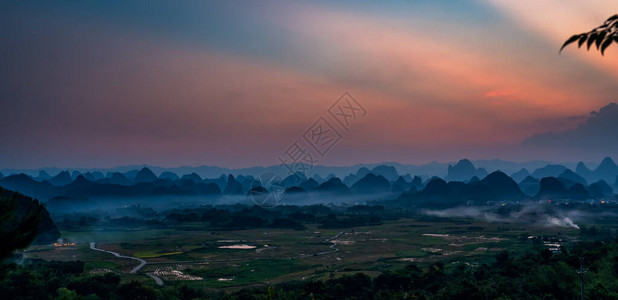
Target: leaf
(569, 41)
(582, 39)
(605, 45)
(600, 37)
(591, 39)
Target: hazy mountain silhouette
(220, 181)
(145, 175)
(319, 179)
(549, 171)
(258, 190)
(168, 176)
(501, 186)
(75, 174)
(192, 177)
(520, 175)
(496, 186)
(552, 188)
(463, 171)
(417, 183)
(116, 178)
(188, 187)
(334, 186)
(63, 178)
(434, 194)
(388, 172)
(294, 179)
(371, 184)
(24, 184)
(90, 176)
(400, 185)
(42, 176)
(233, 187)
(362, 172)
(310, 184)
(578, 192)
(201, 188)
(481, 173)
(607, 170)
(97, 175)
(600, 189)
(607, 189)
(530, 186)
(436, 187)
(570, 175)
(351, 179)
(83, 187)
(583, 171)
(296, 194)
(132, 174)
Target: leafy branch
(602, 36)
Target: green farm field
(257, 257)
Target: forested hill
(23, 221)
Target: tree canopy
(18, 226)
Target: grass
(152, 254)
(91, 265)
(412, 253)
(256, 271)
(370, 249)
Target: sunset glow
(234, 84)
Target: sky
(239, 83)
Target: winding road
(135, 270)
(333, 246)
(160, 282)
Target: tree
(602, 36)
(18, 225)
(66, 294)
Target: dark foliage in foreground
(540, 275)
(22, 221)
(602, 36)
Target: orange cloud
(441, 82)
(498, 93)
(423, 92)
(426, 92)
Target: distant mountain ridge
(428, 170)
(463, 179)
